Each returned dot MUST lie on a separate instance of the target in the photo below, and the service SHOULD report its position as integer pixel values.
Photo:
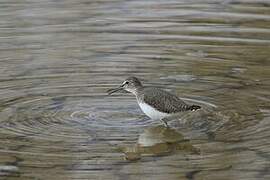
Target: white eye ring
(124, 83)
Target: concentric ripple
(68, 117)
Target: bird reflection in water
(159, 141)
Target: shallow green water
(58, 58)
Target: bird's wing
(164, 101)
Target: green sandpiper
(154, 102)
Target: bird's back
(164, 101)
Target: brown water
(58, 58)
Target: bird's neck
(137, 90)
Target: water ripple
(59, 58)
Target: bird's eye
(127, 82)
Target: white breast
(152, 112)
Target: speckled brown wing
(164, 101)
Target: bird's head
(131, 84)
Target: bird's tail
(194, 107)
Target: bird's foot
(165, 123)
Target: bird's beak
(110, 91)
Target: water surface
(58, 58)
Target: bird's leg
(164, 122)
